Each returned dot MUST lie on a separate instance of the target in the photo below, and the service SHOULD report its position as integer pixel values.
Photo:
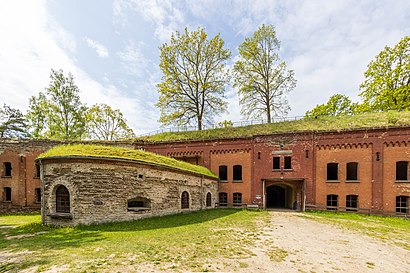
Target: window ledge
(352, 181)
(276, 170)
(288, 170)
(35, 177)
(6, 176)
(402, 181)
(332, 181)
(223, 181)
(138, 209)
(237, 181)
(6, 201)
(61, 215)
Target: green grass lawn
(392, 229)
(321, 123)
(187, 242)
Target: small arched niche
(138, 204)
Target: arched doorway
(280, 196)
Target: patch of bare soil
(291, 243)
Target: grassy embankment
(99, 151)
(392, 229)
(199, 241)
(322, 123)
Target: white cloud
(133, 60)
(28, 51)
(101, 50)
(165, 15)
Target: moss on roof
(99, 151)
(322, 123)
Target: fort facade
(357, 169)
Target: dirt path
(299, 244)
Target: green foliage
(12, 122)
(336, 105)
(387, 79)
(58, 113)
(225, 124)
(123, 153)
(105, 123)
(194, 78)
(365, 120)
(177, 243)
(262, 77)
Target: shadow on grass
(34, 236)
(168, 221)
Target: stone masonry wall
(100, 190)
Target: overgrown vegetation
(368, 120)
(395, 230)
(123, 153)
(187, 242)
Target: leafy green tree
(58, 113)
(336, 105)
(105, 123)
(261, 76)
(194, 77)
(387, 79)
(12, 122)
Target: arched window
(351, 171)
(351, 203)
(185, 200)
(62, 199)
(208, 199)
(223, 173)
(331, 202)
(332, 172)
(402, 170)
(237, 199)
(237, 173)
(223, 199)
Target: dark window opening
(307, 153)
(7, 194)
(185, 200)
(351, 171)
(7, 169)
(140, 176)
(62, 199)
(237, 199)
(237, 173)
(288, 163)
(401, 170)
(351, 202)
(276, 163)
(223, 199)
(332, 171)
(402, 204)
(208, 199)
(259, 155)
(138, 203)
(37, 195)
(377, 156)
(331, 202)
(223, 173)
(37, 174)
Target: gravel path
(305, 245)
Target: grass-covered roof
(99, 151)
(322, 123)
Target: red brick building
(347, 170)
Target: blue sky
(111, 47)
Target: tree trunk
(199, 123)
